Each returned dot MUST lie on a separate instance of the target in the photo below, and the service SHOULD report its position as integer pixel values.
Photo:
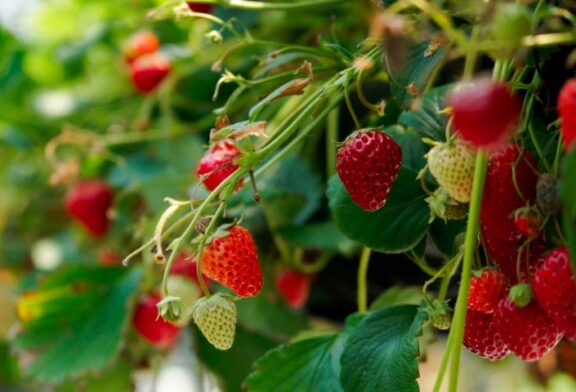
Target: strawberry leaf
(311, 364)
(425, 117)
(71, 340)
(422, 60)
(381, 353)
(395, 228)
(323, 235)
(567, 192)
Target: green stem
(199, 260)
(362, 272)
(264, 6)
(422, 264)
(470, 244)
(332, 127)
(444, 363)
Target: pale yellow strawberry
(452, 164)
(216, 319)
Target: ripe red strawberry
(452, 165)
(294, 287)
(233, 262)
(567, 111)
(486, 291)
(147, 72)
(218, 164)
(200, 7)
(368, 165)
(88, 202)
(528, 332)
(506, 167)
(150, 326)
(485, 112)
(481, 336)
(109, 257)
(527, 221)
(140, 44)
(555, 290)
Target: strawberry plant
(305, 195)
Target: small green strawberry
(452, 165)
(440, 315)
(215, 316)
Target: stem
(263, 6)
(362, 272)
(443, 364)
(350, 107)
(422, 264)
(332, 127)
(469, 247)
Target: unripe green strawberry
(216, 319)
(511, 22)
(452, 164)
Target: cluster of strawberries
(528, 302)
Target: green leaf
(324, 235)
(116, 378)
(307, 365)
(413, 150)
(420, 65)
(395, 228)
(69, 346)
(381, 353)
(396, 295)
(567, 192)
(425, 118)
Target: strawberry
(507, 167)
(528, 332)
(218, 164)
(215, 316)
(555, 290)
(200, 7)
(567, 111)
(528, 222)
(484, 112)
(187, 292)
(481, 336)
(88, 202)
(233, 261)
(486, 291)
(109, 257)
(147, 72)
(368, 164)
(150, 326)
(452, 164)
(140, 44)
(294, 287)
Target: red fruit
(555, 290)
(150, 325)
(141, 43)
(486, 291)
(109, 257)
(147, 72)
(294, 287)
(185, 266)
(233, 262)
(481, 337)
(528, 223)
(368, 165)
(484, 111)
(528, 332)
(567, 111)
(506, 167)
(88, 203)
(217, 165)
(200, 7)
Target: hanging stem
(470, 244)
(362, 272)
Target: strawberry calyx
(170, 308)
(521, 295)
(440, 314)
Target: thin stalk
(264, 6)
(362, 272)
(470, 243)
(444, 363)
(332, 127)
